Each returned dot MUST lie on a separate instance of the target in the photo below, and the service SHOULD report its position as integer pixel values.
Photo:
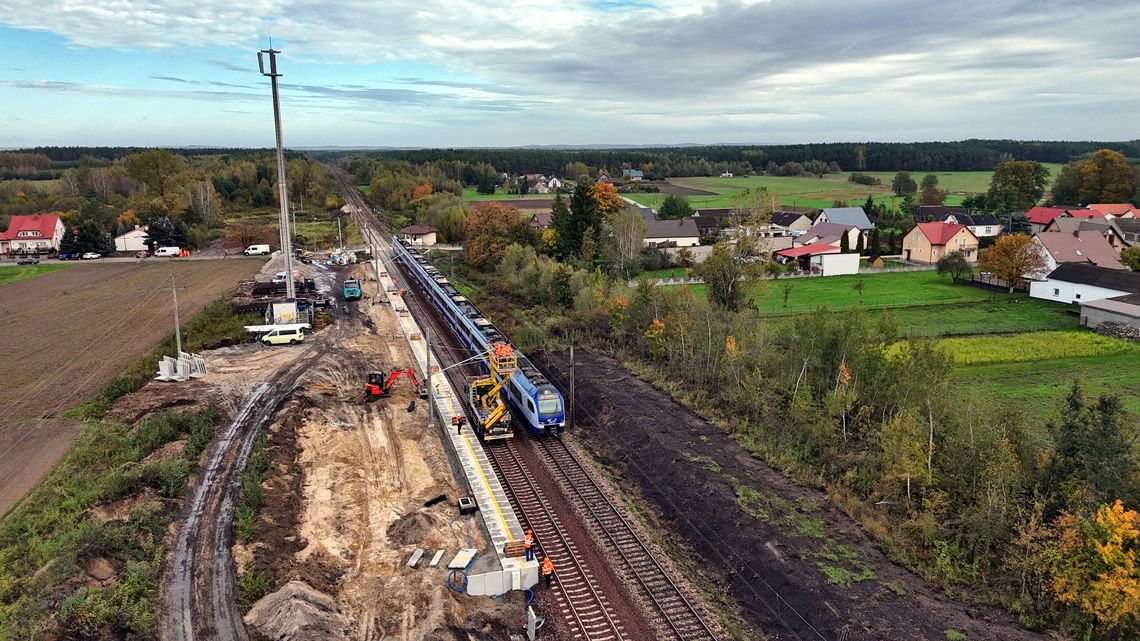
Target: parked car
(28, 260)
(142, 254)
(91, 255)
(169, 252)
(257, 250)
(280, 277)
(64, 256)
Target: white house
(132, 241)
(672, 233)
(554, 183)
(632, 174)
(1072, 283)
(420, 234)
(981, 225)
(854, 216)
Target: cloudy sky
(499, 73)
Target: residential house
(792, 222)
(632, 174)
(1072, 283)
(541, 219)
(132, 241)
(602, 178)
(803, 253)
(1088, 246)
(1103, 226)
(928, 242)
(553, 184)
(420, 234)
(537, 185)
(829, 234)
(1129, 230)
(726, 174)
(982, 225)
(1114, 210)
(1122, 310)
(932, 213)
(854, 216)
(34, 234)
(672, 233)
(1040, 217)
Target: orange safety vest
(547, 566)
(528, 540)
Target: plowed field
(65, 334)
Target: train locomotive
(534, 399)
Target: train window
(548, 406)
(529, 405)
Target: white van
(168, 251)
(283, 335)
(257, 250)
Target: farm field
(16, 273)
(990, 317)
(65, 334)
(1038, 385)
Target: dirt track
(696, 481)
(65, 334)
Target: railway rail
(585, 604)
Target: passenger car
(281, 336)
(91, 255)
(28, 260)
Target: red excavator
(380, 386)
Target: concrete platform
(490, 574)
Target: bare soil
(344, 502)
(779, 554)
(65, 334)
(669, 189)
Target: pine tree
(844, 244)
(563, 224)
(859, 244)
(69, 244)
(875, 249)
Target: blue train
(533, 398)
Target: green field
(1035, 347)
(14, 273)
(469, 193)
(994, 317)
(1039, 385)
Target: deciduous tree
(1131, 257)
(954, 264)
(1016, 186)
(1103, 177)
(674, 207)
(625, 239)
(903, 185)
(1012, 258)
(722, 275)
(607, 199)
(490, 228)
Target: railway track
(585, 604)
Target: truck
(171, 252)
(351, 289)
(257, 250)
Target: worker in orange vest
(528, 543)
(547, 570)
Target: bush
(863, 179)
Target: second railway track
(590, 610)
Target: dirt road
(790, 564)
(65, 334)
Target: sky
(461, 73)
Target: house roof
(1130, 226)
(824, 233)
(972, 220)
(1080, 247)
(706, 224)
(1084, 213)
(542, 219)
(1086, 274)
(417, 230)
(1114, 209)
(715, 212)
(1043, 215)
(940, 233)
(786, 218)
(1116, 305)
(632, 173)
(683, 228)
(136, 230)
(937, 212)
(1070, 224)
(807, 250)
(854, 216)
(42, 224)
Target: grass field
(991, 317)
(1038, 385)
(16, 273)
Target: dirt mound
(171, 450)
(121, 510)
(157, 397)
(413, 528)
(297, 611)
(100, 568)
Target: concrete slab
(435, 559)
(416, 556)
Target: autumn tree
(490, 227)
(954, 264)
(1103, 177)
(1016, 185)
(902, 443)
(903, 185)
(931, 194)
(607, 199)
(245, 234)
(625, 237)
(1012, 258)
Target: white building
(132, 241)
(1072, 283)
(672, 233)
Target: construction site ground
(764, 547)
(65, 334)
(344, 500)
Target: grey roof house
(854, 216)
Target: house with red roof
(928, 242)
(34, 234)
(1082, 246)
(1040, 217)
(1114, 210)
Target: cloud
(56, 86)
(842, 69)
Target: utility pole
(177, 325)
(427, 370)
(339, 237)
(286, 236)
